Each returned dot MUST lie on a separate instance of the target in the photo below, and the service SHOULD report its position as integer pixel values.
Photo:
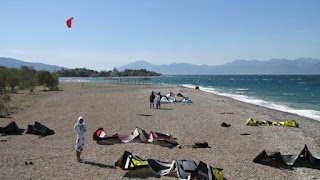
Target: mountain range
(236, 67)
(14, 63)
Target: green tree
(4, 98)
(48, 80)
(3, 79)
(27, 77)
(4, 105)
(12, 78)
(138, 72)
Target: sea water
(297, 94)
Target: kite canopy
(39, 129)
(138, 135)
(184, 169)
(287, 123)
(290, 160)
(11, 129)
(69, 22)
(186, 100)
(164, 99)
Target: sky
(112, 33)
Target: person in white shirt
(158, 97)
(80, 128)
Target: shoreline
(307, 113)
(116, 108)
(275, 106)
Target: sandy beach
(118, 109)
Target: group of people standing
(157, 97)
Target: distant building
(114, 72)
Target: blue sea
(297, 94)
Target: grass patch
(24, 98)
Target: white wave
(240, 92)
(312, 114)
(267, 79)
(188, 86)
(288, 94)
(242, 89)
(73, 80)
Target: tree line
(83, 72)
(23, 78)
(26, 78)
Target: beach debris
(245, 134)
(196, 145)
(225, 124)
(286, 123)
(201, 145)
(226, 113)
(144, 114)
(30, 163)
(138, 135)
(184, 169)
(69, 22)
(290, 160)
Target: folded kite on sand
(184, 169)
(39, 129)
(305, 156)
(138, 135)
(286, 123)
(11, 129)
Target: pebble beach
(122, 108)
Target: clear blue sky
(112, 33)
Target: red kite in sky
(69, 22)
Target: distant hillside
(14, 63)
(237, 67)
(243, 67)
